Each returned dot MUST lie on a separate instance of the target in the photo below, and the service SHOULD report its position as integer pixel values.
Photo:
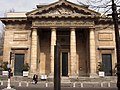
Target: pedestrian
(35, 78)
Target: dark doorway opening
(18, 64)
(107, 64)
(64, 63)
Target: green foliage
(4, 66)
(26, 67)
(115, 69)
(100, 66)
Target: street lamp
(115, 20)
(9, 74)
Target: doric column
(53, 43)
(33, 66)
(92, 54)
(73, 52)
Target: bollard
(101, 84)
(19, 84)
(109, 84)
(46, 84)
(74, 84)
(81, 84)
(27, 84)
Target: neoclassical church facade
(86, 38)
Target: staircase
(88, 79)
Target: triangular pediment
(62, 8)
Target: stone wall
(82, 52)
(105, 42)
(45, 42)
(18, 40)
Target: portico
(71, 46)
(73, 27)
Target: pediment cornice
(62, 8)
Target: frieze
(20, 36)
(62, 23)
(105, 36)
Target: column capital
(53, 27)
(72, 27)
(92, 28)
(34, 29)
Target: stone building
(85, 37)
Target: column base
(73, 76)
(32, 74)
(94, 75)
(50, 77)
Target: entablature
(77, 24)
(7, 20)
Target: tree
(1, 38)
(12, 10)
(104, 6)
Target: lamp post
(9, 71)
(57, 85)
(9, 74)
(115, 20)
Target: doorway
(18, 64)
(107, 64)
(64, 63)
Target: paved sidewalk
(65, 84)
(82, 82)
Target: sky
(22, 6)
(26, 5)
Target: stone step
(64, 84)
(65, 79)
(99, 79)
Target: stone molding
(63, 23)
